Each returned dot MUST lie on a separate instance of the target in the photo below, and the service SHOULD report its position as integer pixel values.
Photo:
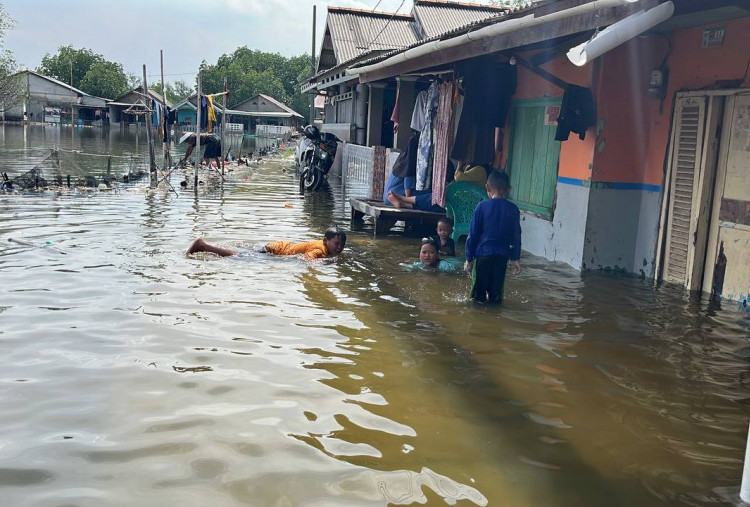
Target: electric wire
(385, 26)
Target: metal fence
(356, 170)
(273, 130)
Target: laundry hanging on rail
(488, 87)
(211, 113)
(396, 109)
(424, 154)
(203, 101)
(443, 140)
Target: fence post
(344, 164)
(378, 172)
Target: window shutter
(689, 124)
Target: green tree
(250, 72)
(10, 83)
(69, 65)
(105, 79)
(175, 92)
(134, 81)
(87, 71)
(182, 90)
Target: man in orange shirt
(333, 243)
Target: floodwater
(133, 375)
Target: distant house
(186, 112)
(45, 99)
(125, 109)
(262, 111)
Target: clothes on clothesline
(203, 101)
(424, 154)
(447, 99)
(419, 115)
(396, 109)
(156, 106)
(488, 87)
(577, 113)
(211, 113)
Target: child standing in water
(333, 243)
(494, 239)
(444, 243)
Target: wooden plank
(385, 216)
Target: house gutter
(436, 49)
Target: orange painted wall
(631, 144)
(575, 154)
(635, 135)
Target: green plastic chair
(461, 198)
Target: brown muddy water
(131, 374)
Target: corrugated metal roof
(356, 32)
(446, 19)
(516, 11)
(437, 17)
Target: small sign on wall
(713, 37)
(551, 113)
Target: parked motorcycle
(317, 158)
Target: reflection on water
(133, 375)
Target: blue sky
(132, 32)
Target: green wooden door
(533, 154)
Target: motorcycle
(317, 158)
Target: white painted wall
(621, 232)
(561, 239)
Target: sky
(188, 31)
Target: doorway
(705, 225)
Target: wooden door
(727, 269)
(685, 167)
(533, 154)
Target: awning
(503, 35)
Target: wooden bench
(385, 216)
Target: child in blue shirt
(494, 239)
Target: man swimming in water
(333, 243)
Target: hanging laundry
(169, 116)
(488, 87)
(443, 140)
(419, 115)
(204, 112)
(424, 154)
(211, 113)
(396, 109)
(577, 113)
(156, 115)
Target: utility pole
(165, 120)
(223, 125)
(197, 149)
(312, 69)
(149, 135)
